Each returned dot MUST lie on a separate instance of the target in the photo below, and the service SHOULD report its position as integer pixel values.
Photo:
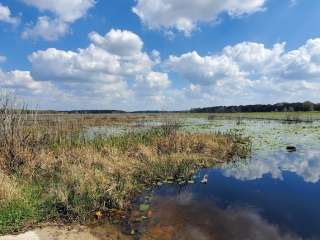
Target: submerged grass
(60, 175)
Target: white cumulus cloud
(122, 43)
(185, 16)
(64, 14)
(6, 16)
(67, 11)
(250, 71)
(113, 67)
(47, 28)
(114, 71)
(21, 82)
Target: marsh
(254, 185)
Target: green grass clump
(21, 212)
(125, 141)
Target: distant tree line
(278, 107)
(95, 111)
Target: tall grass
(51, 171)
(9, 189)
(15, 136)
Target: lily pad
(144, 207)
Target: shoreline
(73, 232)
(71, 179)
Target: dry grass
(9, 189)
(63, 175)
(106, 174)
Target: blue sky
(159, 54)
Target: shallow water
(254, 203)
(272, 195)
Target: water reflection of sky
(305, 164)
(183, 217)
(273, 195)
(228, 208)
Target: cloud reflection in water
(182, 218)
(305, 164)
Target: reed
(51, 171)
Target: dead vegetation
(62, 175)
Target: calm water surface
(273, 195)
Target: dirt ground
(103, 232)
